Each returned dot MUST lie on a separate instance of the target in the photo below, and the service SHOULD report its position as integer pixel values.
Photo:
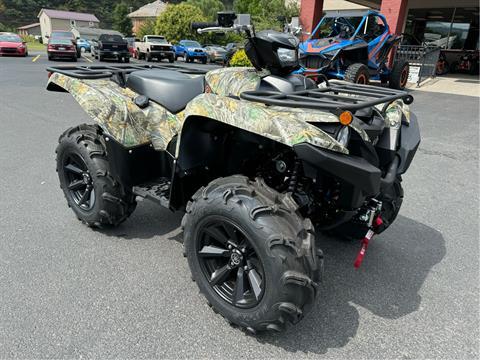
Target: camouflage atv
(253, 156)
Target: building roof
(24, 27)
(150, 10)
(69, 15)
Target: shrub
(175, 22)
(240, 59)
(28, 38)
(147, 28)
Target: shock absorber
(292, 185)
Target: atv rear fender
(113, 108)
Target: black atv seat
(169, 88)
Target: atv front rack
(118, 72)
(335, 96)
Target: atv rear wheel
(399, 75)
(251, 253)
(83, 170)
(357, 73)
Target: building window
(452, 28)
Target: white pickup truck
(154, 47)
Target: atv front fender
(289, 126)
(113, 108)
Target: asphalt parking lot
(68, 291)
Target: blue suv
(83, 45)
(190, 50)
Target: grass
(35, 46)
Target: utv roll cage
(332, 97)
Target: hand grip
(202, 25)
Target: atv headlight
(343, 135)
(287, 57)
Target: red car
(12, 44)
(61, 48)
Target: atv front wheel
(251, 253)
(399, 75)
(357, 73)
(90, 189)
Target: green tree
(148, 28)
(209, 8)
(265, 12)
(175, 22)
(121, 22)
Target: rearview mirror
(226, 18)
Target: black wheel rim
(361, 79)
(79, 182)
(230, 263)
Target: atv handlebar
(201, 25)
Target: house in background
(32, 29)
(51, 20)
(147, 12)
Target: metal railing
(423, 57)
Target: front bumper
(217, 57)
(162, 54)
(114, 54)
(196, 55)
(62, 53)
(361, 178)
(13, 51)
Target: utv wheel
(454, 67)
(357, 73)
(93, 194)
(251, 253)
(399, 75)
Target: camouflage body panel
(114, 109)
(234, 80)
(288, 126)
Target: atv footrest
(157, 191)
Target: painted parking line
(35, 58)
(87, 59)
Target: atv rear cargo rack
(335, 96)
(118, 72)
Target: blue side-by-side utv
(353, 46)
